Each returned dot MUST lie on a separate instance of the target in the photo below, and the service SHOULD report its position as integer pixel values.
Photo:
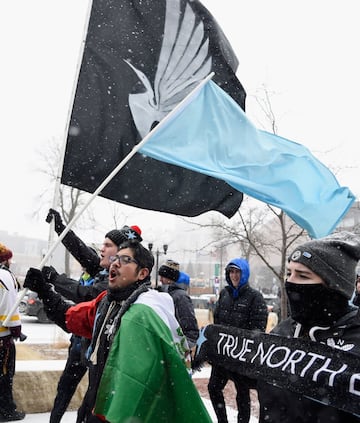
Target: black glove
(49, 273)
(59, 225)
(34, 281)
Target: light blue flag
(212, 135)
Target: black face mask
(315, 304)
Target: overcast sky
(306, 53)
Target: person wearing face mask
(319, 284)
(308, 366)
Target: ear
(143, 273)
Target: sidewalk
(70, 416)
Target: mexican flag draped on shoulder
(149, 378)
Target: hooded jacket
(89, 260)
(280, 405)
(242, 307)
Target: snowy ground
(70, 417)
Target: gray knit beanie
(334, 258)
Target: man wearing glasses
(137, 355)
(97, 266)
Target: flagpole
(123, 162)
(63, 147)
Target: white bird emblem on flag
(183, 62)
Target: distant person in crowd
(137, 364)
(183, 281)
(239, 305)
(316, 380)
(173, 282)
(356, 299)
(211, 308)
(12, 331)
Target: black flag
(141, 58)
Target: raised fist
(34, 281)
(59, 225)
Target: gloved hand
(49, 273)
(59, 225)
(15, 331)
(34, 281)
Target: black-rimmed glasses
(123, 259)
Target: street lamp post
(157, 254)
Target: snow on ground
(70, 416)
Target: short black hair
(141, 254)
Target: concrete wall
(35, 388)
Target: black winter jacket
(356, 300)
(184, 313)
(74, 291)
(70, 288)
(283, 406)
(247, 311)
(86, 256)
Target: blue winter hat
(184, 278)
